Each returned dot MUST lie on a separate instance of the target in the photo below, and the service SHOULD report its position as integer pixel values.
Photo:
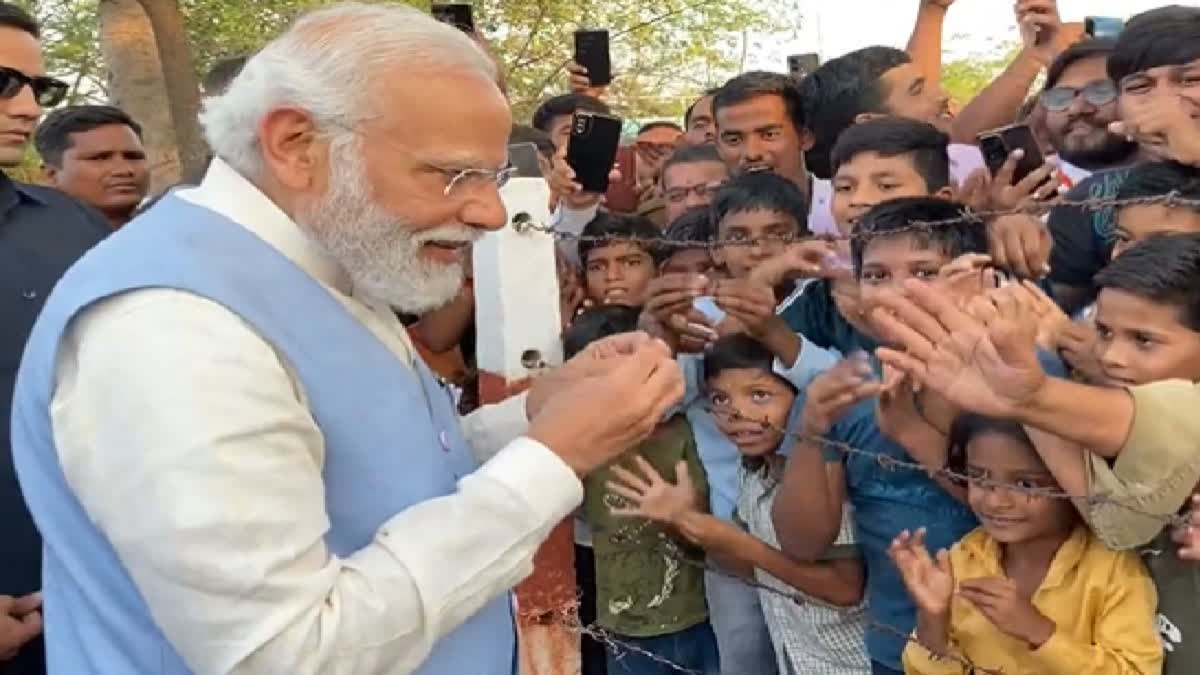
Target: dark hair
(222, 74)
(739, 352)
(756, 83)
(1084, 49)
(968, 426)
(523, 134)
(660, 124)
(1165, 36)
(12, 16)
(596, 324)
(761, 191)
(1154, 179)
(1164, 270)
(692, 154)
(695, 225)
(687, 115)
(895, 218)
(565, 104)
(926, 147)
(838, 92)
(53, 137)
(618, 226)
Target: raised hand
(1008, 609)
(1030, 194)
(814, 258)
(1051, 320)
(1022, 244)
(982, 358)
(1077, 343)
(751, 304)
(968, 275)
(833, 393)
(580, 83)
(1041, 29)
(1166, 123)
(650, 495)
(929, 579)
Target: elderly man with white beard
(237, 461)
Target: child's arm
(1124, 639)
(839, 582)
(807, 513)
(1067, 462)
(900, 419)
(929, 581)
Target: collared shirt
(170, 409)
(42, 233)
(1101, 602)
(811, 637)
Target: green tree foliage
(965, 78)
(664, 51)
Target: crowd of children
(879, 528)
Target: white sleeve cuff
(491, 427)
(812, 361)
(551, 488)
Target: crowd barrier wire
(667, 547)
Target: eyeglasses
(679, 194)
(469, 180)
(47, 91)
(1059, 99)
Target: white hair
(324, 64)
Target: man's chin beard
(1114, 152)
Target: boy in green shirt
(645, 595)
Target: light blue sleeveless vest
(392, 436)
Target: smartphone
(524, 158)
(800, 65)
(622, 196)
(707, 305)
(997, 144)
(1103, 26)
(591, 52)
(592, 149)
(457, 14)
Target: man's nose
(485, 210)
(694, 200)
(23, 105)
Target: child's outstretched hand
(1008, 609)
(930, 581)
(650, 495)
(1188, 537)
(834, 392)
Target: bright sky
(834, 27)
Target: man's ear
(49, 173)
(867, 117)
(945, 193)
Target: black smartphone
(591, 52)
(800, 65)
(457, 14)
(1103, 26)
(592, 149)
(524, 158)
(997, 144)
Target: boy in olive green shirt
(646, 596)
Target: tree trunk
(182, 84)
(135, 85)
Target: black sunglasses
(1097, 94)
(47, 91)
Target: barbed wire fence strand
(667, 547)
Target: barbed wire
(1170, 200)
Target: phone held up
(998, 144)
(591, 52)
(457, 14)
(592, 149)
(800, 65)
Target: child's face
(1147, 88)
(618, 274)
(1009, 516)
(888, 261)
(1138, 223)
(757, 397)
(1143, 341)
(868, 180)
(689, 261)
(755, 225)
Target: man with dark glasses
(42, 232)
(1079, 102)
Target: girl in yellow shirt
(1031, 591)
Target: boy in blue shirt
(840, 406)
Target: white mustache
(448, 233)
